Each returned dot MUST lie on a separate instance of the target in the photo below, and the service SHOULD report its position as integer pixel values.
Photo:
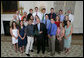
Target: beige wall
(78, 13)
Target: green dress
(67, 42)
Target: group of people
(53, 30)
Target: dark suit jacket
(42, 28)
(53, 16)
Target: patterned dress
(67, 42)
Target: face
(60, 12)
(17, 12)
(52, 10)
(69, 11)
(31, 17)
(25, 13)
(29, 22)
(31, 11)
(21, 23)
(36, 9)
(68, 23)
(44, 11)
(46, 16)
(66, 17)
(38, 20)
(36, 17)
(24, 19)
(52, 21)
(14, 24)
(57, 18)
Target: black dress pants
(40, 44)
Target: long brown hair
(58, 17)
(15, 24)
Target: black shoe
(31, 50)
(43, 52)
(59, 52)
(37, 52)
(28, 54)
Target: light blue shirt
(53, 29)
(61, 17)
(48, 22)
(38, 26)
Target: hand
(49, 36)
(40, 32)
(65, 37)
(60, 39)
(22, 38)
(16, 37)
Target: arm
(19, 35)
(24, 35)
(11, 33)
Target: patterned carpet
(7, 50)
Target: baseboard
(77, 33)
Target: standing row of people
(52, 28)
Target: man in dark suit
(52, 15)
(41, 31)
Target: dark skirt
(22, 42)
(59, 45)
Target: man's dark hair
(36, 7)
(43, 9)
(52, 8)
(30, 9)
(46, 14)
(60, 10)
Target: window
(9, 6)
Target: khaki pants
(29, 46)
(52, 44)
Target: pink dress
(58, 33)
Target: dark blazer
(42, 28)
(53, 16)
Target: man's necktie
(38, 27)
(43, 17)
(51, 16)
(46, 22)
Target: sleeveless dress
(59, 32)
(14, 40)
(67, 42)
(20, 41)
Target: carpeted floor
(7, 50)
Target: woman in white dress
(14, 34)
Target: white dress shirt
(71, 17)
(18, 17)
(39, 14)
(42, 16)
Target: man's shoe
(43, 53)
(31, 50)
(28, 54)
(37, 52)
